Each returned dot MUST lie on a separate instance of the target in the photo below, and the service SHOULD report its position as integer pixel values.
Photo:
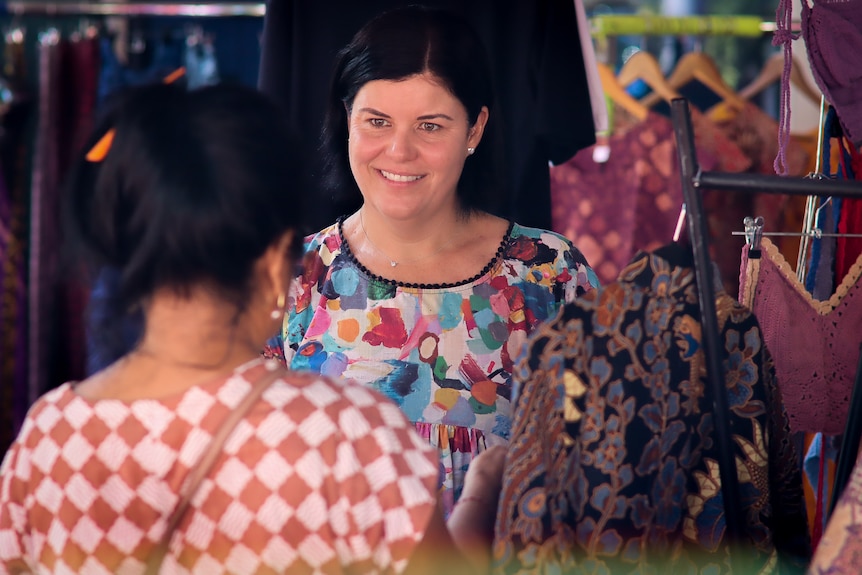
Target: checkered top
(320, 476)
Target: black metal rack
(693, 181)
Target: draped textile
(612, 210)
(613, 466)
(44, 239)
(815, 343)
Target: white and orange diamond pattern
(320, 477)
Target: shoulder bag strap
(205, 464)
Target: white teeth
(398, 178)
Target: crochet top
(815, 344)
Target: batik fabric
(613, 465)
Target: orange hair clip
(98, 152)
(175, 75)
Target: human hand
(471, 523)
(484, 479)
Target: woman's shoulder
(546, 240)
(541, 247)
(325, 236)
(47, 411)
(547, 237)
(321, 249)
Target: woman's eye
(377, 122)
(430, 126)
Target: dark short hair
(396, 45)
(195, 187)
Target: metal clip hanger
(753, 231)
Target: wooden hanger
(701, 67)
(771, 73)
(644, 66)
(615, 91)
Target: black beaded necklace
(345, 248)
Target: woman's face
(408, 143)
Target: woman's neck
(200, 330)
(407, 240)
(187, 340)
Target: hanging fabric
(13, 289)
(832, 29)
(8, 248)
(754, 132)
(77, 87)
(632, 202)
(44, 238)
(200, 59)
(695, 179)
(815, 343)
(849, 248)
(612, 463)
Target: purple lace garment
(815, 344)
(833, 35)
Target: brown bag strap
(205, 464)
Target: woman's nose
(402, 145)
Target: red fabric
(756, 134)
(848, 249)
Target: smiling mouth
(399, 178)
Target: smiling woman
(421, 292)
(408, 143)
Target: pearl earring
(279, 307)
(470, 151)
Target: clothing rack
(606, 28)
(817, 234)
(693, 181)
(648, 25)
(199, 9)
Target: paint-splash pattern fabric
(320, 477)
(613, 466)
(444, 354)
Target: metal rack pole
(217, 9)
(711, 338)
(763, 184)
(741, 25)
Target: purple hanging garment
(833, 35)
(44, 240)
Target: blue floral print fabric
(613, 463)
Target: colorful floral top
(613, 466)
(444, 353)
(319, 477)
